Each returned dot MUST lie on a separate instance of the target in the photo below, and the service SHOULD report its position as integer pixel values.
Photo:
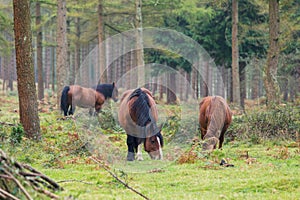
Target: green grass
(268, 170)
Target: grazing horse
(75, 95)
(108, 90)
(138, 116)
(214, 118)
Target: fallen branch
(6, 195)
(23, 176)
(7, 124)
(79, 181)
(117, 178)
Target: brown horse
(75, 95)
(214, 118)
(138, 116)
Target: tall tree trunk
(53, 69)
(204, 79)
(69, 55)
(61, 49)
(270, 79)
(77, 51)
(255, 80)
(235, 55)
(187, 90)
(11, 71)
(139, 43)
(171, 89)
(25, 71)
(243, 88)
(101, 44)
(39, 51)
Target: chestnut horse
(75, 95)
(138, 116)
(214, 118)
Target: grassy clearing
(262, 170)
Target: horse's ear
(113, 84)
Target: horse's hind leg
(72, 110)
(222, 135)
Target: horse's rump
(214, 118)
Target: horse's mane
(140, 107)
(105, 89)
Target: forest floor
(266, 170)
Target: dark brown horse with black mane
(138, 116)
(214, 118)
(75, 95)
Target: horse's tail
(64, 99)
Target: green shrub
(280, 123)
(17, 132)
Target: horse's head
(153, 145)
(115, 93)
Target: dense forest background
(209, 23)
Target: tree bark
(139, 43)
(101, 44)
(39, 51)
(270, 79)
(61, 49)
(77, 49)
(255, 80)
(25, 71)
(243, 86)
(235, 55)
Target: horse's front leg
(139, 153)
(130, 145)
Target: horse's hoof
(130, 156)
(140, 158)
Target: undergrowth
(282, 123)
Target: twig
(7, 124)
(118, 179)
(8, 195)
(79, 181)
(46, 178)
(49, 194)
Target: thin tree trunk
(61, 50)
(39, 51)
(25, 71)
(101, 44)
(255, 81)
(235, 55)
(270, 79)
(139, 43)
(53, 68)
(11, 71)
(77, 50)
(242, 72)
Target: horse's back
(125, 119)
(214, 113)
